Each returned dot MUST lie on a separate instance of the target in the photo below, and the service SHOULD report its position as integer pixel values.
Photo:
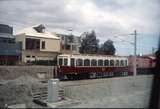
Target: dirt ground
(18, 91)
(16, 83)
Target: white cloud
(106, 17)
(136, 14)
(116, 15)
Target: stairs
(61, 94)
(42, 93)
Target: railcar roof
(91, 55)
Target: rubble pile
(18, 91)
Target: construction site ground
(124, 92)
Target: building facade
(10, 50)
(70, 44)
(38, 44)
(145, 61)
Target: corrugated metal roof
(30, 31)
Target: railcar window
(117, 63)
(100, 62)
(93, 62)
(111, 62)
(65, 61)
(72, 61)
(79, 62)
(86, 62)
(60, 61)
(122, 63)
(106, 63)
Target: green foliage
(7, 62)
(107, 48)
(89, 44)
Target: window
(65, 61)
(111, 62)
(68, 47)
(72, 61)
(33, 56)
(32, 44)
(125, 62)
(86, 62)
(70, 39)
(93, 62)
(106, 63)
(79, 62)
(73, 47)
(60, 61)
(100, 62)
(117, 63)
(43, 45)
(37, 45)
(4, 40)
(28, 61)
(28, 56)
(122, 63)
(11, 41)
(79, 40)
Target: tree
(107, 48)
(89, 43)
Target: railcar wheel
(61, 78)
(69, 76)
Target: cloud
(124, 15)
(106, 17)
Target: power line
(124, 40)
(135, 48)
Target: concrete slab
(123, 92)
(100, 88)
(139, 99)
(17, 106)
(64, 103)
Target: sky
(111, 19)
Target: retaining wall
(13, 72)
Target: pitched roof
(66, 32)
(30, 31)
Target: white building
(38, 44)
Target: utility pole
(152, 50)
(71, 43)
(135, 58)
(135, 53)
